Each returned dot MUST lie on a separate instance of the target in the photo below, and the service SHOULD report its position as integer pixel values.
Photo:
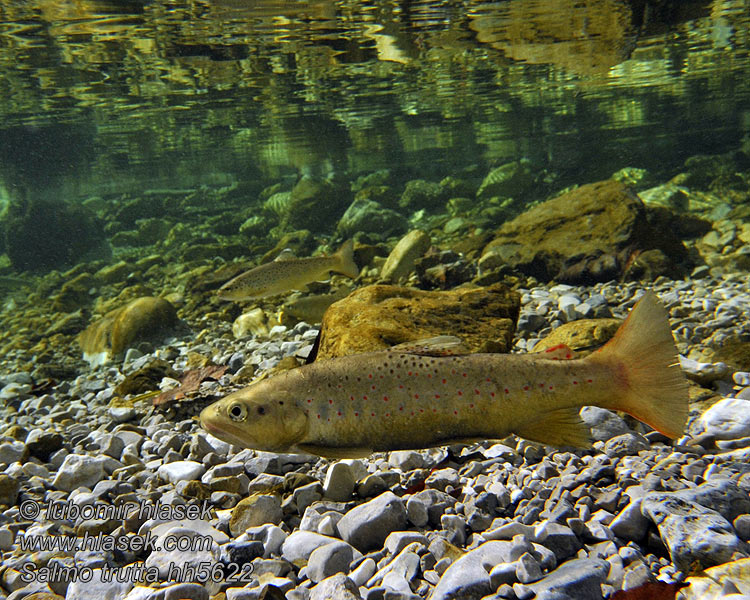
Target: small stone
(7, 537)
(183, 470)
(366, 526)
(186, 591)
(305, 495)
(604, 424)
(79, 470)
(406, 460)
(254, 511)
(336, 587)
(121, 414)
(398, 540)
(578, 578)
(339, 482)
(97, 587)
(469, 576)
(560, 539)
(503, 574)
(527, 568)
(630, 524)
(11, 452)
(625, 444)
(694, 534)
(328, 560)
(728, 419)
(298, 546)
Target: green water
(103, 102)
(116, 96)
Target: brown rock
(580, 335)
(142, 319)
(379, 316)
(590, 234)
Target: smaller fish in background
(287, 272)
(309, 308)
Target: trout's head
(261, 416)
(232, 290)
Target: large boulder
(41, 235)
(314, 204)
(378, 316)
(597, 232)
(143, 319)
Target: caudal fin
(346, 265)
(643, 351)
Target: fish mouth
(224, 433)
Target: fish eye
(237, 412)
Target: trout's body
(400, 399)
(288, 273)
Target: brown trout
(419, 395)
(288, 273)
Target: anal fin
(562, 427)
(335, 452)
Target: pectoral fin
(562, 427)
(335, 452)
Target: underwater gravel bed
(510, 520)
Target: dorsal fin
(559, 352)
(441, 345)
(286, 254)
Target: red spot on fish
(526, 388)
(401, 408)
(370, 376)
(387, 414)
(568, 355)
(339, 413)
(319, 416)
(409, 373)
(401, 387)
(455, 412)
(488, 380)
(541, 385)
(356, 414)
(416, 395)
(434, 410)
(471, 405)
(364, 397)
(372, 414)
(429, 376)
(437, 395)
(590, 380)
(445, 381)
(464, 375)
(575, 383)
(412, 413)
(551, 387)
(330, 401)
(421, 410)
(476, 391)
(385, 398)
(492, 394)
(309, 400)
(507, 391)
(373, 387)
(351, 397)
(460, 393)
